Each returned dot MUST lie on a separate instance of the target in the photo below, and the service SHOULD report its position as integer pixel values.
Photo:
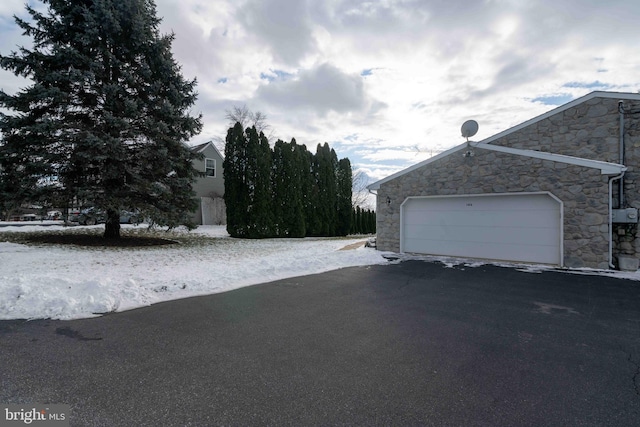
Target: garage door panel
(480, 219)
(518, 227)
(482, 202)
(479, 250)
(509, 235)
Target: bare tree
(259, 120)
(248, 118)
(238, 115)
(218, 142)
(360, 195)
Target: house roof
(201, 147)
(605, 167)
(623, 96)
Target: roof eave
(597, 94)
(606, 168)
(205, 145)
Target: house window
(210, 167)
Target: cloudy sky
(388, 83)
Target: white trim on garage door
(525, 227)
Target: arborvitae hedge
(285, 191)
(363, 221)
(288, 213)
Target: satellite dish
(469, 128)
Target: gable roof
(605, 167)
(623, 96)
(201, 147)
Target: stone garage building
(560, 189)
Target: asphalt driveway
(413, 343)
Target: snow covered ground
(68, 282)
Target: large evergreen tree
(287, 190)
(105, 120)
(310, 191)
(247, 186)
(343, 196)
(359, 223)
(278, 188)
(372, 222)
(236, 193)
(325, 173)
(296, 219)
(259, 185)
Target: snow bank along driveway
(68, 282)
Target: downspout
(611, 217)
(621, 201)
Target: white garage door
(513, 227)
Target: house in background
(209, 188)
(561, 189)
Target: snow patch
(8, 247)
(67, 282)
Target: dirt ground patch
(353, 246)
(96, 240)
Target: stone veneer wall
(589, 130)
(583, 191)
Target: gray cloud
(426, 65)
(320, 89)
(285, 26)
(190, 46)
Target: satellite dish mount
(469, 128)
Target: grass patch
(131, 237)
(92, 238)
(96, 240)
